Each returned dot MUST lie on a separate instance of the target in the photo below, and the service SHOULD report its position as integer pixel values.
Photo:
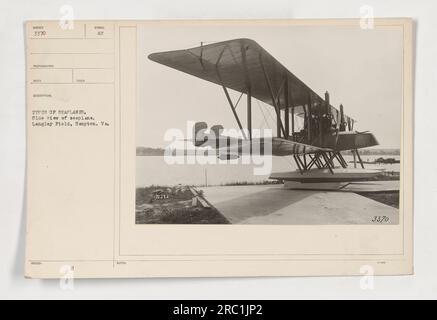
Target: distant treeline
(143, 151)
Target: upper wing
(239, 63)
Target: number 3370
(380, 219)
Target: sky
(361, 69)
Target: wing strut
(248, 89)
(227, 93)
(233, 111)
(310, 117)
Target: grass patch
(388, 198)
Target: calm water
(153, 170)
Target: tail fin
(217, 130)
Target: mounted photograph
(269, 124)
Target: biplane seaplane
(244, 66)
